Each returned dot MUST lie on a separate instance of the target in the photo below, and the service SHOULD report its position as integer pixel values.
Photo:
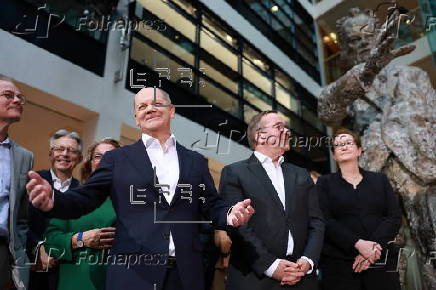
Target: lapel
(184, 166)
(16, 160)
(138, 157)
(46, 175)
(290, 178)
(259, 172)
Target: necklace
(354, 180)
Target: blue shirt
(5, 186)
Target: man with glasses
(64, 155)
(15, 162)
(282, 242)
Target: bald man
(157, 242)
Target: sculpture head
(356, 35)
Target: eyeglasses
(9, 95)
(348, 143)
(277, 126)
(96, 157)
(60, 149)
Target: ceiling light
(258, 62)
(333, 35)
(326, 39)
(275, 8)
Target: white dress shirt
(164, 158)
(275, 174)
(58, 184)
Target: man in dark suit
(64, 155)
(157, 242)
(15, 162)
(281, 244)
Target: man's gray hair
(65, 133)
(254, 126)
(5, 78)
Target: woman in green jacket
(80, 244)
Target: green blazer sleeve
(58, 239)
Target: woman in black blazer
(362, 217)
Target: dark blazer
(371, 212)
(141, 242)
(265, 238)
(37, 220)
(38, 223)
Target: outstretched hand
(383, 51)
(40, 192)
(240, 213)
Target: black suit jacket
(38, 223)
(145, 219)
(371, 212)
(265, 238)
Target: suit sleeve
(390, 225)
(260, 257)
(34, 216)
(85, 198)
(316, 225)
(214, 208)
(22, 214)
(335, 232)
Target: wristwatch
(80, 243)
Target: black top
(369, 212)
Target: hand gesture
(99, 238)
(280, 273)
(383, 50)
(293, 273)
(304, 265)
(369, 250)
(240, 213)
(40, 192)
(44, 262)
(222, 241)
(360, 264)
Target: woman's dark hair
(343, 130)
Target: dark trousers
(44, 280)
(5, 266)
(337, 274)
(172, 279)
